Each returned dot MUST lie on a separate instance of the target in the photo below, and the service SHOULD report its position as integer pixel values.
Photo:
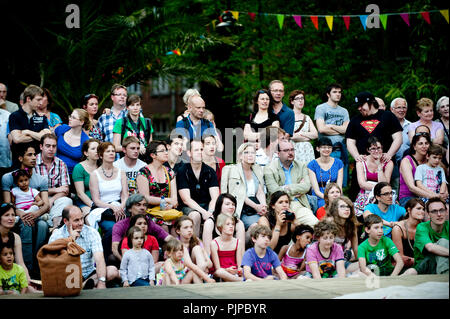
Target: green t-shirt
(425, 235)
(132, 129)
(79, 174)
(379, 255)
(14, 279)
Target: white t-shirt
(431, 177)
(130, 172)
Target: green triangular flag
(383, 19)
(280, 18)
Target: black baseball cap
(363, 97)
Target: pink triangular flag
(405, 17)
(346, 21)
(315, 21)
(298, 20)
(426, 16)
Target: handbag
(165, 215)
(60, 266)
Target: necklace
(104, 173)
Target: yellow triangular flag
(445, 14)
(235, 14)
(330, 22)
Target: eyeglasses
(299, 98)
(344, 207)
(438, 211)
(422, 134)
(375, 149)
(162, 151)
(391, 193)
(288, 150)
(277, 91)
(120, 94)
(326, 147)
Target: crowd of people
(167, 212)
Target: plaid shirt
(89, 240)
(106, 124)
(57, 176)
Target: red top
(220, 163)
(321, 213)
(227, 258)
(150, 243)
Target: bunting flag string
(365, 19)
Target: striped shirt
(89, 240)
(58, 175)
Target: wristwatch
(102, 279)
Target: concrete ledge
(288, 289)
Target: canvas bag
(60, 266)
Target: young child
(376, 251)
(332, 191)
(431, 176)
(195, 255)
(259, 260)
(174, 270)
(137, 267)
(325, 258)
(150, 242)
(23, 196)
(293, 256)
(13, 279)
(227, 251)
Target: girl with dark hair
(418, 155)
(150, 243)
(262, 115)
(280, 220)
(370, 172)
(385, 207)
(225, 204)
(325, 169)
(404, 232)
(53, 119)
(90, 104)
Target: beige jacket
(233, 182)
(275, 178)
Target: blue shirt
(393, 214)
(287, 119)
(287, 173)
(261, 267)
(71, 155)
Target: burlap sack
(61, 268)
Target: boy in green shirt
(377, 250)
(431, 241)
(12, 276)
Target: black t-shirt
(19, 120)
(381, 125)
(199, 188)
(176, 168)
(256, 126)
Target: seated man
(431, 241)
(136, 204)
(93, 267)
(33, 227)
(130, 163)
(288, 175)
(55, 170)
(197, 186)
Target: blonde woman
(71, 138)
(245, 181)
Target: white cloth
(5, 150)
(23, 200)
(110, 190)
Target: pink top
(404, 190)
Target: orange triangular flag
(315, 21)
